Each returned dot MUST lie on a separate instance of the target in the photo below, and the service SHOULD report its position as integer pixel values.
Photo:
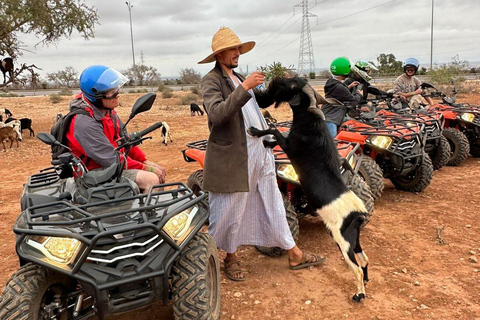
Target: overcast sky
(176, 34)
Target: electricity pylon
(306, 63)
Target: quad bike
(93, 245)
(462, 124)
(436, 145)
(294, 199)
(398, 148)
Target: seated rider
(337, 89)
(361, 74)
(407, 85)
(92, 137)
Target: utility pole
(129, 6)
(306, 63)
(431, 40)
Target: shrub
(167, 93)
(196, 90)
(188, 98)
(161, 86)
(66, 92)
(55, 98)
(311, 75)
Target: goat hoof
(358, 298)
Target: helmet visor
(110, 79)
(362, 74)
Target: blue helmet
(411, 62)
(96, 81)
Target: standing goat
(6, 65)
(5, 112)
(25, 123)
(166, 133)
(314, 157)
(194, 109)
(11, 134)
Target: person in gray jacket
(246, 207)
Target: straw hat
(226, 39)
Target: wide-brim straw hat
(226, 39)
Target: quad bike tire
(416, 180)
(371, 172)
(475, 150)
(459, 146)
(195, 182)
(362, 190)
(292, 224)
(196, 280)
(30, 289)
(441, 155)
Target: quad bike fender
(192, 155)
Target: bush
(167, 93)
(189, 98)
(196, 90)
(55, 98)
(9, 95)
(311, 75)
(66, 92)
(161, 86)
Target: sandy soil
(422, 247)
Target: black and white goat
(194, 109)
(5, 112)
(166, 133)
(314, 156)
(6, 66)
(25, 123)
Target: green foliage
(275, 70)
(55, 98)
(311, 75)
(142, 75)
(167, 93)
(388, 64)
(10, 95)
(161, 86)
(64, 78)
(66, 92)
(445, 73)
(48, 20)
(189, 98)
(190, 76)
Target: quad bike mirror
(144, 103)
(47, 138)
(375, 91)
(427, 85)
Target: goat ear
(295, 101)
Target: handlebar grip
(153, 127)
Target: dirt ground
(423, 248)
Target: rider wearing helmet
(92, 136)
(337, 89)
(407, 85)
(360, 73)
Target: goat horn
(317, 111)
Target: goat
(6, 65)
(57, 117)
(9, 133)
(166, 133)
(15, 125)
(5, 112)
(314, 157)
(268, 117)
(25, 123)
(194, 108)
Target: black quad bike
(295, 203)
(93, 245)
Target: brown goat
(10, 134)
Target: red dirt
(413, 275)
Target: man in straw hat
(246, 207)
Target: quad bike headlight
(382, 142)
(178, 225)
(468, 117)
(57, 249)
(287, 171)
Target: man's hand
(418, 91)
(365, 109)
(253, 80)
(155, 168)
(353, 84)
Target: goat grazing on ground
(6, 66)
(314, 157)
(25, 123)
(166, 133)
(194, 109)
(11, 134)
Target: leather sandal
(304, 263)
(232, 270)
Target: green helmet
(362, 65)
(340, 66)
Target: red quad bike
(397, 148)
(462, 125)
(436, 145)
(296, 206)
(91, 245)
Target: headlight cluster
(382, 142)
(287, 171)
(57, 249)
(178, 225)
(468, 117)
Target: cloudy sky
(176, 34)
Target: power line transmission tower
(306, 63)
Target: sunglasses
(113, 96)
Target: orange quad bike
(397, 148)
(462, 124)
(296, 205)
